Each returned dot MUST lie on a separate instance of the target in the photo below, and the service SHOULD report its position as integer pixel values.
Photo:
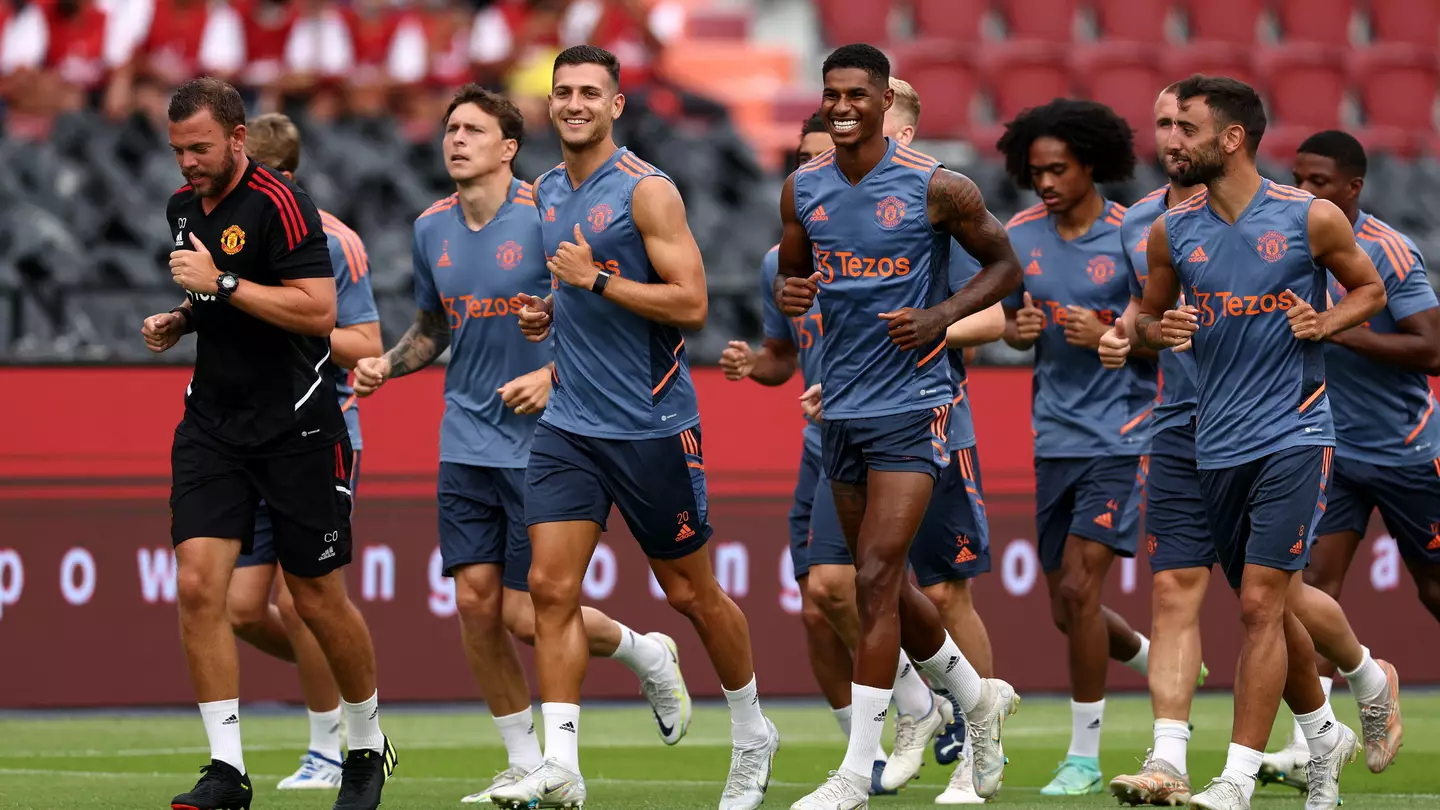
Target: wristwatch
(601, 279)
(225, 285)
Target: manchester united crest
(1272, 246)
(890, 213)
(600, 217)
(1100, 269)
(232, 240)
(509, 255)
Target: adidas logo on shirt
(819, 215)
(1197, 255)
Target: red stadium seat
(1306, 84)
(957, 20)
(1044, 20)
(1138, 20)
(1212, 59)
(946, 82)
(1230, 21)
(1412, 21)
(1125, 77)
(844, 22)
(1023, 74)
(1280, 142)
(1326, 21)
(1397, 85)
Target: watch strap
(220, 291)
(601, 279)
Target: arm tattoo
(1143, 322)
(421, 343)
(957, 207)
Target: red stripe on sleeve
(284, 220)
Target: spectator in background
(373, 24)
(176, 40)
(636, 31)
(319, 56)
(24, 38)
(84, 51)
(267, 31)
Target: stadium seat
(1212, 59)
(844, 21)
(1306, 84)
(1325, 21)
(946, 82)
(957, 20)
(718, 23)
(1232, 21)
(1043, 20)
(1135, 20)
(1414, 21)
(1396, 83)
(1023, 74)
(1279, 145)
(1125, 77)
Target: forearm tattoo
(424, 341)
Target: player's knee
(550, 590)
(813, 617)
(245, 614)
(1177, 593)
(830, 591)
(477, 604)
(880, 580)
(199, 591)
(1057, 612)
(1261, 608)
(1077, 595)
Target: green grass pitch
(116, 760)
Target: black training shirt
(257, 388)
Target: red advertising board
(86, 572)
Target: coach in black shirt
(261, 421)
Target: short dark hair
(812, 125)
(512, 122)
(1231, 101)
(589, 55)
(206, 93)
(861, 56)
(1341, 147)
(1098, 136)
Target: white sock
(1085, 722)
(949, 670)
(1367, 682)
(912, 696)
(880, 755)
(222, 726)
(1322, 730)
(1141, 662)
(1241, 767)
(562, 733)
(362, 722)
(1172, 738)
(842, 716)
(517, 731)
(325, 733)
(1297, 734)
(871, 705)
(641, 654)
(747, 723)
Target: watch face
(228, 282)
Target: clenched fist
(535, 317)
(738, 360)
(370, 374)
(163, 331)
(1029, 321)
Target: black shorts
(214, 493)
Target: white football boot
(550, 785)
